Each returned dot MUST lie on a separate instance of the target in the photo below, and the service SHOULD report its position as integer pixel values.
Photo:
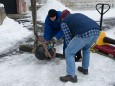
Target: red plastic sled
(106, 49)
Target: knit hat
(64, 13)
(52, 13)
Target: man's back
(79, 23)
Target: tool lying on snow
(103, 42)
(41, 49)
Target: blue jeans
(74, 46)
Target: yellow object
(100, 39)
(92, 48)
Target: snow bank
(11, 32)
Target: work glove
(54, 39)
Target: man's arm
(67, 33)
(59, 34)
(47, 31)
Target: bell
(40, 53)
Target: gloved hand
(54, 39)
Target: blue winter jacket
(52, 28)
(79, 23)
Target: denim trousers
(74, 46)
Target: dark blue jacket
(79, 23)
(52, 28)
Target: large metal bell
(40, 53)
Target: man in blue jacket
(80, 32)
(53, 30)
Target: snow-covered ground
(26, 70)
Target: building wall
(14, 6)
(21, 6)
(86, 4)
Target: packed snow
(11, 32)
(25, 70)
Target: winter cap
(64, 13)
(52, 13)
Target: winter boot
(84, 71)
(69, 78)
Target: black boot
(69, 78)
(84, 71)
(78, 56)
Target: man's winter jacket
(78, 23)
(52, 28)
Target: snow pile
(111, 33)
(11, 32)
(50, 4)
